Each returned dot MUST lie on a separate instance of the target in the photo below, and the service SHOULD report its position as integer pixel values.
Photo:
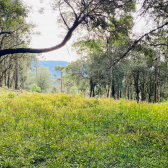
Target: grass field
(59, 130)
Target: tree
(91, 13)
(13, 30)
(44, 79)
(35, 88)
(61, 69)
(78, 73)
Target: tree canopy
(93, 14)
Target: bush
(38, 90)
(35, 88)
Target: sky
(50, 32)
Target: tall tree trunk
(113, 91)
(107, 90)
(5, 79)
(136, 84)
(158, 80)
(16, 73)
(92, 94)
(1, 81)
(61, 81)
(112, 94)
(8, 82)
(149, 90)
(143, 97)
(137, 93)
(128, 90)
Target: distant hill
(51, 65)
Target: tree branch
(163, 44)
(137, 41)
(63, 17)
(43, 50)
(5, 33)
(12, 31)
(66, 1)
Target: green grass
(59, 130)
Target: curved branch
(71, 8)
(63, 17)
(137, 41)
(5, 33)
(43, 50)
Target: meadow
(63, 131)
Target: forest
(109, 108)
(113, 60)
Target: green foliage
(59, 68)
(74, 90)
(44, 79)
(38, 89)
(35, 88)
(94, 46)
(59, 130)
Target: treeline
(139, 77)
(103, 68)
(112, 63)
(14, 32)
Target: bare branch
(137, 41)
(84, 11)
(66, 1)
(63, 17)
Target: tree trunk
(1, 81)
(137, 93)
(5, 79)
(158, 80)
(112, 94)
(128, 90)
(143, 97)
(8, 82)
(61, 81)
(16, 73)
(113, 91)
(92, 94)
(136, 84)
(107, 90)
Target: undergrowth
(59, 130)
